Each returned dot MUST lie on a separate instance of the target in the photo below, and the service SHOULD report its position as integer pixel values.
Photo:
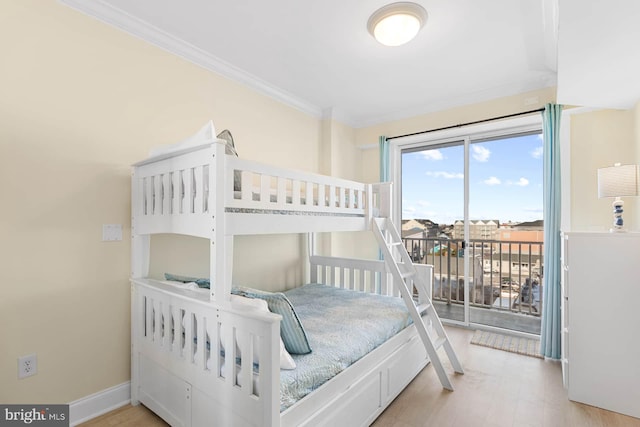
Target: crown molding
(118, 18)
(105, 12)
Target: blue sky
(505, 180)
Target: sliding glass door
(433, 205)
(472, 207)
(506, 232)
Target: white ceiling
(318, 56)
(598, 59)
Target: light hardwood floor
(498, 389)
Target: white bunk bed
(177, 334)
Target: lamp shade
(618, 181)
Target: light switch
(111, 232)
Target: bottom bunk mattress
(342, 326)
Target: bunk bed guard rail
(184, 192)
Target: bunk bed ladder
(406, 278)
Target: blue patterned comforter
(342, 326)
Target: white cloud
(492, 181)
(480, 153)
(408, 210)
(432, 155)
(537, 152)
(446, 175)
(533, 210)
(522, 182)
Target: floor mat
(520, 345)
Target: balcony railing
(503, 275)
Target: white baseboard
(99, 403)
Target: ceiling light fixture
(397, 23)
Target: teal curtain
(383, 144)
(550, 333)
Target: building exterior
(419, 228)
(478, 229)
(530, 232)
(518, 252)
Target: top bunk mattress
(342, 326)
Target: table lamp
(618, 181)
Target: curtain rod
(467, 124)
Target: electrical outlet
(27, 365)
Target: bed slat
(176, 329)
(201, 334)
(295, 194)
(156, 321)
(309, 199)
(265, 188)
(166, 327)
(282, 192)
(246, 184)
(165, 199)
(157, 196)
(332, 196)
(148, 195)
(197, 190)
(322, 201)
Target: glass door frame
(459, 134)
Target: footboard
(360, 393)
(361, 274)
(195, 362)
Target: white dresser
(601, 320)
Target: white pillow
(192, 286)
(242, 303)
(286, 361)
(206, 134)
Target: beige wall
(79, 102)
(600, 139)
(341, 158)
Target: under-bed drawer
(403, 369)
(164, 393)
(362, 399)
(210, 412)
